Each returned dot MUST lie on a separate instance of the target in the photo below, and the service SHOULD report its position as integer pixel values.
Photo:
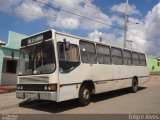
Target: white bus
(57, 66)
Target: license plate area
(32, 95)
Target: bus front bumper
(41, 95)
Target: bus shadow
(112, 94)
(50, 106)
(53, 107)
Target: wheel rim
(86, 94)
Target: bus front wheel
(84, 96)
(134, 87)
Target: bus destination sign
(37, 38)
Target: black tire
(134, 87)
(84, 96)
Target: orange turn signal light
(54, 87)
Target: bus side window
(135, 58)
(68, 59)
(127, 55)
(117, 58)
(88, 52)
(142, 59)
(103, 54)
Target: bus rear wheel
(84, 96)
(134, 87)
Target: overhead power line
(70, 8)
(15, 13)
(89, 18)
(81, 16)
(23, 14)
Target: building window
(158, 63)
(11, 66)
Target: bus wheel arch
(134, 87)
(86, 90)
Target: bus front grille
(32, 87)
(34, 80)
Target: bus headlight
(49, 87)
(18, 87)
(21, 87)
(45, 87)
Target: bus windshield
(37, 59)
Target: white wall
(8, 78)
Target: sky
(106, 20)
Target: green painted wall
(152, 64)
(14, 40)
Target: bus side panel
(142, 73)
(144, 77)
(70, 83)
(129, 75)
(103, 74)
(112, 77)
(122, 75)
(68, 92)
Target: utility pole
(100, 39)
(125, 25)
(130, 41)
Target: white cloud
(95, 36)
(137, 35)
(95, 13)
(146, 34)
(30, 11)
(152, 27)
(70, 23)
(108, 38)
(68, 3)
(81, 8)
(118, 20)
(121, 9)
